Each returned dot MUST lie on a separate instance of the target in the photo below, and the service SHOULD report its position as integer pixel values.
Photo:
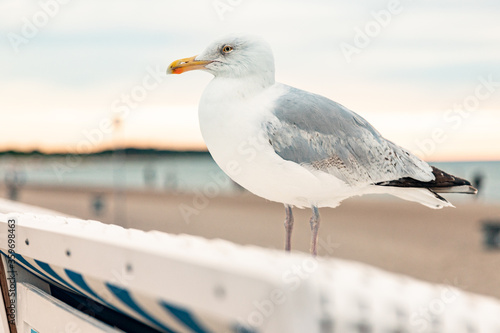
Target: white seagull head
(233, 56)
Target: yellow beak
(187, 64)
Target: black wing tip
(443, 183)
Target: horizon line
(37, 151)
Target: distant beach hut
(491, 234)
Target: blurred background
(91, 125)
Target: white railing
(190, 284)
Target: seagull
(294, 147)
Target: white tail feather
(423, 196)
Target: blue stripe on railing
(185, 317)
(46, 267)
(23, 262)
(80, 281)
(49, 274)
(126, 298)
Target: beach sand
(440, 246)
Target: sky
(425, 73)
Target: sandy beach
(440, 246)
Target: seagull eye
(227, 48)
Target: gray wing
(317, 132)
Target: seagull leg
(314, 230)
(288, 227)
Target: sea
(179, 172)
